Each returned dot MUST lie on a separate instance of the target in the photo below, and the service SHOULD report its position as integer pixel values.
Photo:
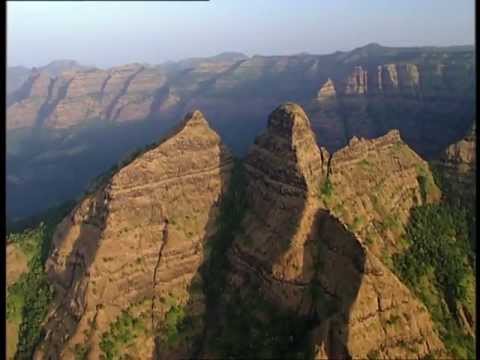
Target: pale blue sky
(114, 33)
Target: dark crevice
(122, 92)
(158, 98)
(329, 166)
(45, 108)
(104, 84)
(159, 259)
(51, 103)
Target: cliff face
(425, 93)
(457, 166)
(27, 102)
(307, 270)
(410, 78)
(306, 260)
(132, 248)
(374, 184)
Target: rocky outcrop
(134, 245)
(463, 151)
(374, 185)
(357, 82)
(327, 91)
(457, 166)
(309, 261)
(385, 79)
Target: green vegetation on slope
(28, 298)
(438, 267)
(253, 328)
(121, 334)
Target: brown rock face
(135, 245)
(327, 91)
(28, 101)
(287, 152)
(386, 79)
(462, 152)
(356, 83)
(308, 261)
(375, 184)
(458, 167)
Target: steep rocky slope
(457, 166)
(131, 249)
(294, 252)
(373, 184)
(179, 253)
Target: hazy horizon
(94, 33)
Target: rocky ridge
(457, 166)
(417, 79)
(291, 242)
(134, 245)
(425, 93)
(315, 242)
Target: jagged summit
(327, 91)
(151, 221)
(287, 152)
(195, 117)
(194, 131)
(288, 117)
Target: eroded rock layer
(458, 168)
(309, 261)
(133, 247)
(374, 184)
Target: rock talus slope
(134, 246)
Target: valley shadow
(245, 319)
(72, 282)
(182, 331)
(338, 262)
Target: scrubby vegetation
(28, 298)
(122, 333)
(425, 181)
(327, 188)
(438, 266)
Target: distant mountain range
(67, 123)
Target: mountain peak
(373, 45)
(287, 118)
(195, 117)
(287, 152)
